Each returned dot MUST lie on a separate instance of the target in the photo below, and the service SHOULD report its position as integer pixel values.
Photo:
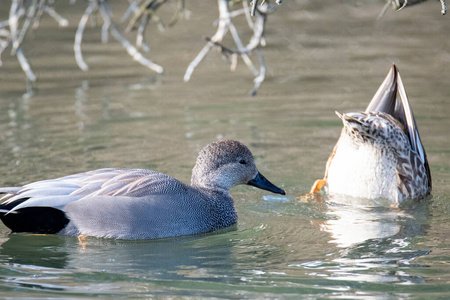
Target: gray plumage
(143, 204)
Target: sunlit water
(321, 57)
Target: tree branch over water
(103, 8)
(225, 25)
(25, 16)
(400, 4)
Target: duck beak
(261, 182)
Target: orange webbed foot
(314, 192)
(317, 186)
(82, 241)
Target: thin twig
(15, 12)
(190, 69)
(400, 4)
(140, 38)
(25, 65)
(3, 45)
(63, 22)
(248, 16)
(147, 7)
(443, 7)
(224, 25)
(254, 4)
(79, 35)
(39, 13)
(180, 11)
(17, 40)
(223, 49)
(132, 51)
(106, 24)
(222, 29)
(262, 73)
(234, 14)
(132, 8)
(242, 49)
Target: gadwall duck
(379, 153)
(136, 203)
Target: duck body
(136, 203)
(375, 163)
(379, 153)
(119, 203)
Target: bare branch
(108, 26)
(132, 51)
(106, 23)
(141, 12)
(79, 35)
(262, 73)
(21, 15)
(140, 38)
(24, 15)
(146, 7)
(254, 4)
(190, 69)
(25, 65)
(225, 24)
(443, 7)
(248, 16)
(18, 38)
(180, 12)
(222, 29)
(132, 8)
(400, 4)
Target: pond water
(321, 57)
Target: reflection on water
(321, 57)
(162, 259)
(354, 221)
(356, 225)
(376, 238)
(376, 243)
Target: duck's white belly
(363, 172)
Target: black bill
(261, 182)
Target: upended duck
(136, 203)
(379, 153)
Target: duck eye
(242, 162)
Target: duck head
(221, 165)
